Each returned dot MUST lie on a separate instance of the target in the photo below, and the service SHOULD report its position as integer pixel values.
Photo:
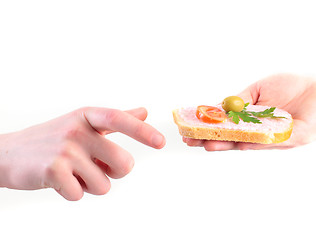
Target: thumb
(250, 94)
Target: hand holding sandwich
(294, 94)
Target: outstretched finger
(103, 119)
(140, 113)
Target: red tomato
(210, 114)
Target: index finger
(106, 119)
(140, 113)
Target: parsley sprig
(249, 116)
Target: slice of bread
(271, 130)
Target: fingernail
(158, 141)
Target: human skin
(71, 154)
(292, 93)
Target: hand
(294, 94)
(71, 154)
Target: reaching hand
(294, 94)
(71, 154)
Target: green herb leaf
(249, 116)
(243, 115)
(266, 113)
(234, 116)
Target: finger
(90, 176)
(140, 113)
(117, 161)
(290, 143)
(258, 146)
(212, 145)
(193, 142)
(102, 119)
(250, 94)
(60, 178)
(251, 146)
(71, 188)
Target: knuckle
(74, 132)
(113, 116)
(81, 111)
(63, 158)
(65, 149)
(76, 126)
(55, 171)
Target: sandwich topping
(209, 114)
(234, 109)
(249, 116)
(233, 103)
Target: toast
(269, 130)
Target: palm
(296, 95)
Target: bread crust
(222, 134)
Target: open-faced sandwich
(233, 120)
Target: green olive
(233, 103)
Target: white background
(56, 56)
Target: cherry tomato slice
(209, 114)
